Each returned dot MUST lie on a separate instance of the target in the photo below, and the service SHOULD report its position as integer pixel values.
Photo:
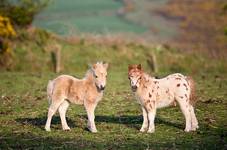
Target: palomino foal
(157, 93)
(88, 91)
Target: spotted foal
(157, 93)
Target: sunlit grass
(24, 104)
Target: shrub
(6, 28)
(21, 12)
(6, 31)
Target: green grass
(118, 118)
(75, 16)
(24, 104)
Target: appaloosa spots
(186, 95)
(150, 106)
(162, 93)
(186, 86)
(155, 82)
(147, 102)
(150, 95)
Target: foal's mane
(88, 74)
(146, 78)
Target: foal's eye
(96, 76)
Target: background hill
(106, 17)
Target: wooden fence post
(56, 58)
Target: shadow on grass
(205, 138)
(211, 139)
(132, 120)
(40, 122)
(129, 121)
(31, 141)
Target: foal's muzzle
(134, 88)
(102, 88)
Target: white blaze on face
(134, 80)
(102, 79)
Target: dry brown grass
(202, 24)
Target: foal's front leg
(145, 121)
(151, 118)
(150, 108)
(90, 108)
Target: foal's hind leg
(62, 111)
(194, 120)
(52, 109)
(184, 105)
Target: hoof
(151, 131)
(66, 129)
(142, 130)
(195, 128)
(186, 130)
(47, 129)
(93, 130)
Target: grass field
(102, 17)
(75, 16)
(24, 104)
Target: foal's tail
(191, 83)
(50, 88)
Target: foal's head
(134, 75)
(99, 71)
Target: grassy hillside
(75, 16)
(187, 25)
(24, 104)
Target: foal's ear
(139, 67)
(94, 66)
(130, 67)
(106, 65)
